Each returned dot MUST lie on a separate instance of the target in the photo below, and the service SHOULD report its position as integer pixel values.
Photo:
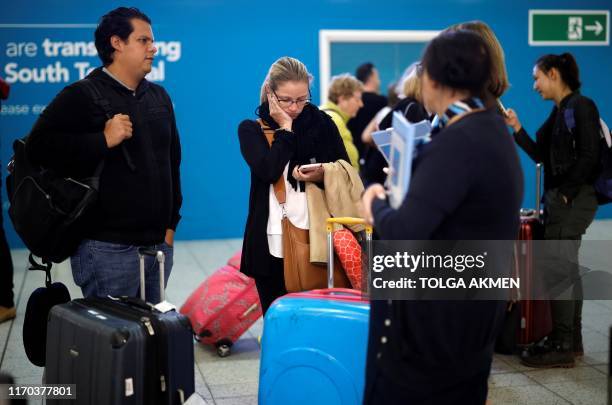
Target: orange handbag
(300, 274)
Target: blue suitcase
(314, 349)
(314, 343)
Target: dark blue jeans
(104, 268)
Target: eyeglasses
(419, 70)
(287, 102)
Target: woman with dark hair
(466, 185)
(498, 79)
(571, 165)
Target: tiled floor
(233, 380)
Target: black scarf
(306, 127)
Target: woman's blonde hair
(343, 85)
(412, 87)
(498, 81)
(285, 69)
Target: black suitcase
(121, 351)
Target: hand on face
(277, 113)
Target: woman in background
(497, 83)
(571, 166)
(344, 102)
(411, 107)
(440, 352)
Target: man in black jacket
(140, 193)
(7, 303)
(372, 103)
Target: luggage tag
(195, 399)
(164, 307)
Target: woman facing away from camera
(571, 165)
(411, 107)
(497, 83)
(466, 185)
(302, 135)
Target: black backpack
(49, 211)
(603, 183)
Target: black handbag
(48, 211)
(37, 314)
(507, 340)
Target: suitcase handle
(159, 255)
(347, 294)
(538, 188)
(348, 221)
(537, 211)
(337, 291)
(135, 302)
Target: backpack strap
(97, 97)
(94, 93)
(407, 109)
(568, 116)
(570, 123)
(279, 186)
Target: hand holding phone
(502, 108)
(310, 168)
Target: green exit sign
(569, 27)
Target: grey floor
(233, 380)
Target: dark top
(466, 184)
(372, 169)
(571, 159)
(410, 108)
(314, 136)
(372, 104)
(135, 205)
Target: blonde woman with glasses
(302, 135)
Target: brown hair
(498, 80)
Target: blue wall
(226, 50)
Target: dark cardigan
(315, 136)
(571, 160)
(467, 184)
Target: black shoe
(548, 356)
(578, 348)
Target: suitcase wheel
(224, 347)
(223, 351)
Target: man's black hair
(116, 22)
(364, 71)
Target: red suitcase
(536, 321)
(223, 307)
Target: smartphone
(502, 108)
(309, 168)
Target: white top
(297, 212)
